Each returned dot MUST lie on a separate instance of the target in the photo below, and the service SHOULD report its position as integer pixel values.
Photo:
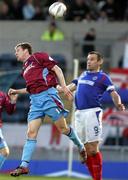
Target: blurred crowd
(78, 10)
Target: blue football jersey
(90, 89)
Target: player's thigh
(61, 124)
(92, 147)
(55, 112)
(54, 107)
(35, 112)
(80, 124)
(94, 126)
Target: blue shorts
(3, 143)
(46, 103)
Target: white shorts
(88, 124)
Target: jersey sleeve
(10, 108)
(108, 84)
(45, 60)
(75, 81)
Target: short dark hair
(99, 56)
(25, 45)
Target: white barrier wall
(15, 135)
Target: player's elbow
(32, 133)
(57, 69)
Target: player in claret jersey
(7, 103)
(42, 74)
(90, 86)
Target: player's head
(23, 51)
(94, 61)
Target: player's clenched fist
(68, 93)
(121, 107)
(12, 91)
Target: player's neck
(94, 71)
(27, 57)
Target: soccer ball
(57, 9)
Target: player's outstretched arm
(72, 87)
(117, 101)
(17, 91)
(13, 98)
(62, 82)
(10, 103)
(59, 88)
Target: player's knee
(92, 149)
(91, 153)
(64, 130)
(32, 134)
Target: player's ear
(26, 50)
(101, 61)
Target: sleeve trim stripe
(110, 88)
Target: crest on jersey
(28, 67)
(94, 78)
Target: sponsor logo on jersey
(89, 82)
(94, 78)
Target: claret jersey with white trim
(90, 89)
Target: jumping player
(41, 72)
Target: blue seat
(61, 61)
(8, 61)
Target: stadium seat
(8, 61)
(61, 61)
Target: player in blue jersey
(90, 86)
(41, 73)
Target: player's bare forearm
(18, 91)
(72, 87)
(13, 98)
(117, 101)
(59, 88)
(59, 75)
(10, 103)
(62, 82)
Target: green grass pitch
(8, 177)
